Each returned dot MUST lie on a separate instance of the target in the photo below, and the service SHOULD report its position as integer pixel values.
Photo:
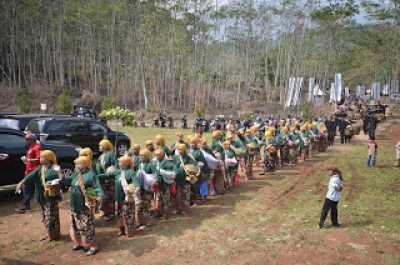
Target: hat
(107, 145)
(136, 146)
(84, 160)
(182, 147)
(229, 137)
(145, 153)
(148, 142)
(178, 134)
(215, 134)
(160, 139)
(224, 144)
(30, 136)
(126, 160)
(192, 139)
(203, 141)
(159, 152)
(86, 152)
(49, 155)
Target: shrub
(307, 110)
(127, 116)
(63, 103)
(24, 101)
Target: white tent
(318, 91)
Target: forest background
(186, 54)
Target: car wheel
(67, 169)
(122, 147)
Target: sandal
(77, 247)
(120, 233)
(92, 251)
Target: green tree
(24, 101)
(108, 103)
(63, 103)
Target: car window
(11, 141)
(95, 127)
(35, 126)
(55, 126)
(78, 126)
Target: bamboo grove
(182, 53)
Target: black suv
(13, 146)
(19, 121)
(81, 131)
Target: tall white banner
(396, 87)
(332, 95)
(385, 90)
(292, 82)
(376, 91)
(346, 91)
(299, 83)
(311, 85)
(358, 92)
(362, 92)
(338, 87)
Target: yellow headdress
(178, 134)
(182, 147)
(160, 139)
(159, 152)
(224, 144)
(126, 160)
(148, 142)
(84, 160)
(86, 152)
(215, 134)
(107, 145)
(268, 135)
(49, 155)
(283, 130)
(145, 153)
(136, 146)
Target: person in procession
(304, 143)
(166, 175)
(179, 140)
(107, 162)
(251, 146)
(270, 152)
(47, 193)
(134, 155)
(195, 153)
(160, 144)
(83, 205)
(230, 165)
(335, 186)
(127, 195)
(146, 175)
(294, 145)
(150, 146)
(31, 161)
(213, 163)
(89, 154)
(183, 179)
(216, 145)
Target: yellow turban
(192, 139)
(254, 129)
(296, 122)
(188, 138)
(229, 137)
(86, 152)
(292, 128)
(322, 127)
(247, 131)
(215, 134)
(232, 127)
(178, 134)
(283, 130)
(145, 153)
(136, 146)
(182, 147)
(49, 155)
(159, 152)
(148, 142)
(203, 141)
(160, 139)
(84, 160)
(282, 122)
(126, 160)
(268, 135)
(224, 144)
(107, 145)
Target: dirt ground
(192, 237)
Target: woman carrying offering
(85, 187)
(160, 144)
(183, 178)
(47, 193)
(107, 163)
(127, 195)
(197, 155)
(89, 154)
(229, 158)
(166, 177)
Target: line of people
(157, 181)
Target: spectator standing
(32, 161)
(372, 151)
(397, 164)
(372, 126)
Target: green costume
(106, 160)
(181, 175)
(77, 197)
(165, 165)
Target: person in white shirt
(332, 197)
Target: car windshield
(35, 126)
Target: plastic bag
(203, 189)
(237, 177)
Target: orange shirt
(33, 153)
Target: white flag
(292, 81)
(338, 87)
(311, 85)
(299, 83)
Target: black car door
(12, 147)
(78, 133)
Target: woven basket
(191, 169)
(252, 147)
(54, 190)
(348, 132)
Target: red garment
(33, 153)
